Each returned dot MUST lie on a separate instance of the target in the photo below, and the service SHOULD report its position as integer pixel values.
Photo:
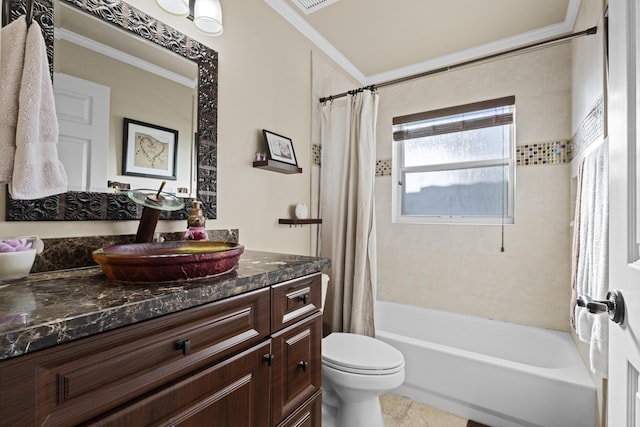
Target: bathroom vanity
(241, 349)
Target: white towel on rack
(37, 171)
(14, 36)
(592, 272)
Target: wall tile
(543, 153)
(590, 128)
(463, 269)
(540, 153)
(383, 167)
(460, 267)
(316, 152)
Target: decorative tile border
(383, 167)
(316, 153)
(543, 153)
(590, 129)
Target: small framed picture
(279, 148)
(149, 150)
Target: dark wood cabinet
(297, 363)
(232, 393)
(248, 360)
(294, 300)
(309, 415)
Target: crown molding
(80, 40)
(507, 43)
(288, 13)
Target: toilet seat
(360, 354)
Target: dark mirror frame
(82, 206)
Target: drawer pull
(268, 358)
(185, 346)
(304, 298)
(304, 365)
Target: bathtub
(497, 373)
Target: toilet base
(328, 416)
(360, 413)
(366, 413)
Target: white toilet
(356, 370)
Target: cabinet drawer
(295, 299)
(309, 415)
(82, 379)
(296, 366)
(232, 393)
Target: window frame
(398, 171)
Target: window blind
(420, 125)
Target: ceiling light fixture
(206, 14)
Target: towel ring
(6, 12)
(29, 14)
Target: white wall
(587, 72)
(264, 82)
(460, 267)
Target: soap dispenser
(195, 223)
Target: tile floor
(399, 411)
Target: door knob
(613, 305)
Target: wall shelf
(291, 222)
(276, 166)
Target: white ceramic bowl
(16, 265)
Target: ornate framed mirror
(87, 205)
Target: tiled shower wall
(461, 268)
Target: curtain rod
(589, 31)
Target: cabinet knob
(304, 298)
(268, 358)
(304, 365)
(185, 346)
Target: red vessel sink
(167, 261)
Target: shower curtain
(348, 232)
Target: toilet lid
(359, 353)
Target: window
(455, 165)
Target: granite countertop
(46, 309)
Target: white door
(82, 108)
(624, 209)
